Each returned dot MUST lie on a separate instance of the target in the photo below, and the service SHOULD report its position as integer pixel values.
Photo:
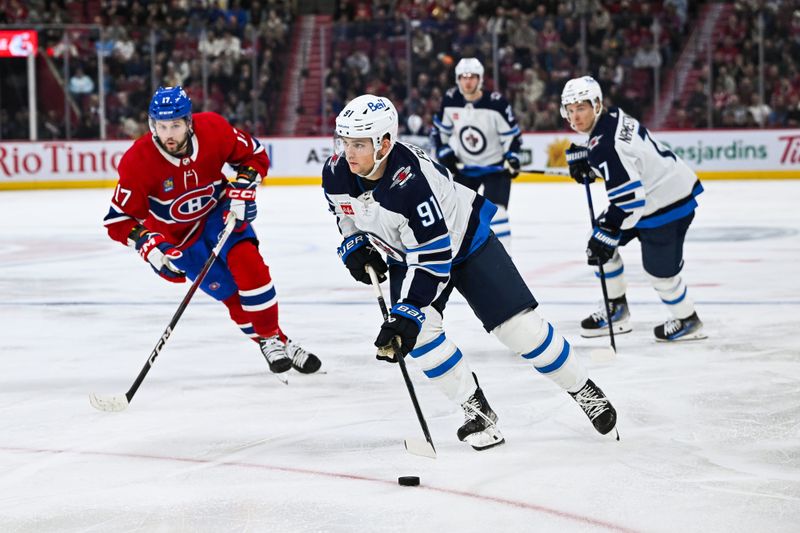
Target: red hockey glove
(158, 253)
(242, 197)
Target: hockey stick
(415, 446)
(546, 171)
(606, 354)
(118, 402)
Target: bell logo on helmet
(376, 106)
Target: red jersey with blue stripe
(174, 195)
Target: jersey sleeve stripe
(629, 206)
(624, 188)
(439, 244)
(439, 124)
(514, 131)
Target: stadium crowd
(406, 50)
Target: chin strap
(377, 162)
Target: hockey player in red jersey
(170, 204)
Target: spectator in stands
(80, 83)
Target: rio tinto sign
(18, 43)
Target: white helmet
(369, 116)
(579, 90)
(470, 65)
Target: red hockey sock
(257, 300)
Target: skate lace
(600, 314)
(672, 326)
(299, 356)
(273, 349)
(592, 403)
(471, 409)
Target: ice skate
(479, 429)
(680, 329)
(596, 324)
(275, 353)
(597, 407)
(303, 361)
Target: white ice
(212, 442)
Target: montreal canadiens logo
(472, 139)
(193, 205)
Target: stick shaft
(229, 225)
(400, 359)
(601, 269)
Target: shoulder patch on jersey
(626, 130)
(168, 184)
(332, 160)
(451, 92)
(496, 96)
(401, 177)
(595, 141)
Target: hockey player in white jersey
(651, 194)
(477, 138)
(390, 197)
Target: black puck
(408, 481)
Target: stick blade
(419, 447)
(111, 404)
(603, 355)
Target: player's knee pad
(247, 266)
(674, 293)
(536, 340)
(441, 360)
(615, 276)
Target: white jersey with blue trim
(479, 133)
(647, 184)
(415, 213)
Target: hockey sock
(257, 297)
(536, 340)
(615, 276)
(673, 293)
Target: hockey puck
(408, 481)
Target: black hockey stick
(604, 355)
(415, 446)
(118, 402)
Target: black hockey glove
(404, 323)
(447, 158)
(512, 164)
(578, 161)
(602, 244)
(356, 253)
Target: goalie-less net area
(710, 430)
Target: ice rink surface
(212, 442)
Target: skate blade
(483, 440)
(282, 378)
(696, 336)
(620, 329)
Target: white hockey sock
(673, 293)
(501, 227)
(615, 276)
(441, 360)
(537, 341)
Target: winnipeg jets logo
(594, 141)
(472, 139)
(401, 177)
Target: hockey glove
(578, 161)
(447, 158)
(356, 253)
(602, 244)
(404, 323)
(242, 195)
(158, 253)
(512, 164)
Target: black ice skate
(275, 353)
(597, 407)
(303, 361)
(680, 329)
(596, 324)
(479, 429)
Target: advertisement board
(713, 154)
(18, 43)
